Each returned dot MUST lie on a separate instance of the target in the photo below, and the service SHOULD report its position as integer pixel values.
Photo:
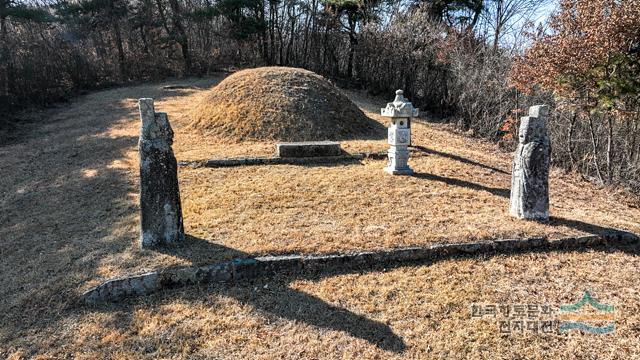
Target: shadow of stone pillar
(160, 209)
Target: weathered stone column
(530, 172)
(399, 134)
(160, 210)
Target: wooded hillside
(454, 58)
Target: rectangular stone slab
(308, 149)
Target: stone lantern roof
(399, 108)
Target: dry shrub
(442, 70)
(590, 60)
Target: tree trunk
(353, 41)
(4, 58)
(594, 145)
(609, 148)
(635, 147)
(163, 17)
(476, 16)
(571, 149)
(272, 40)
(122, 66)
(288, 52)
(263, 36)
(280, 37)
(181, 37)
(305, 51)
(145, 43)
(325, 45)
(496, 35)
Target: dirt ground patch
(69, 220)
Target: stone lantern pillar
(401, 111)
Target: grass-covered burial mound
(280, 103)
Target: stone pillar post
(160, 210)
(399, 134)
(530, 172)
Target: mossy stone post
(160, 210)
(530, 172)
(399, 134)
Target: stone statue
(160, 209)
(530, 173)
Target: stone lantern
(401, 112)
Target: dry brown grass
(407, 313)
(460, 193)
(280, 103)
(68, 220)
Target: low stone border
(178, 87)
(274, 160)
(243, 269)
(304, 149)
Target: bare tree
(506, 19)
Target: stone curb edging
(246, 161)
(253, 268)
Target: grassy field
(69, 220)
(406, 313)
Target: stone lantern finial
(400, 107)
(399, 100)
(401, 111)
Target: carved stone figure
(530, 173)
(160, 209)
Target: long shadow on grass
(580, 225)
(461, 159)
(284, 302)
(271, 294)
(463, 183)
(506, 193)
